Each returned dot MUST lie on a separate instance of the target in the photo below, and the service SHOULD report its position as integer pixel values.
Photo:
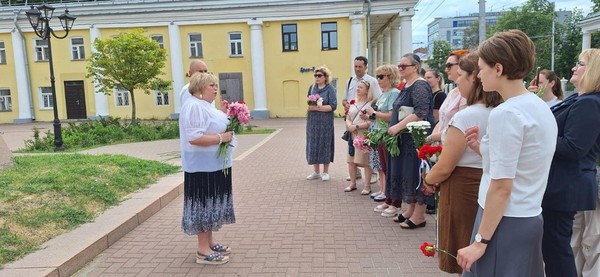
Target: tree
(535, 19)
(128, 62)
(596, 7)
(440, 52)
(569, 39)
(471, 36)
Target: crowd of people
(516, 179)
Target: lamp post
(39, 18)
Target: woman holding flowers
(319, 125)
(358, 125)
(516, 153)
(388, 79)
(402, 179)
(208, 200)
(458, 170)
(572, 190)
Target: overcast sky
(427, 10)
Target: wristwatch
(373, 115)
(480, 239)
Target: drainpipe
(27, 71)
(370, 56)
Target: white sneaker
(374, 194)
(380, 208)
(313, 176)
(379, 198)
(325, 177)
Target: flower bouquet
(418, 131)
(360, 143)
(313, 100)
(540, 91)
(239, 115)
(379, 135)
(428, 155)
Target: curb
(66, 254)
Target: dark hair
(468, 64)
(422, 73)
(513, 49)
(414, 59)
(551, 76)
(363, 59)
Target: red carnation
(352, 102)
(428, 249)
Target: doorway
(231, 86)
(75, 100)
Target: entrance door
(231, 86)
(75, 99)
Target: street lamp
(39, 18)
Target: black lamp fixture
(39, 18)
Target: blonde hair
(199, 81)
(590, 81)
(323, 69)
(370, 93)
(392, 73)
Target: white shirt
(553, 102)
(196, 119)
(519, 145)
(350, 92)
(474, 115)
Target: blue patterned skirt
(208, 201)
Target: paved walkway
(286, 225)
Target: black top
(438, 98)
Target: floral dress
(319, 128)
(403, 170)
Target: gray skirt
(515, 249)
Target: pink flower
(360, 143)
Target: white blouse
(474, 115)
(196, 119)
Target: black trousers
(556, 244)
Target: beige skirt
(360, 158)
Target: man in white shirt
(195, 66)
(360, 72)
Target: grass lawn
(43, 196)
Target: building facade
(452, 29)
(264, 52)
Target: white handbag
(404, 112)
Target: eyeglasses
(450, 65)
(404, 66)
(318, 75)
(380, 76)
(579, 64)
(365, 83)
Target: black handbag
(347, 135)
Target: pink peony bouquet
(313, 99)
(361, 143)
(239, 115)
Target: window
(159, 40)
(121, 98)
(2, 53)
(5, 103)
(289, 37)
(161, 98)
(235, 44)
(329, 36)
(196, 45)
(46, 98)
(41, 50)
(77, 50)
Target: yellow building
(264, 52)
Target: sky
(427, 10)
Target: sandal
(365, 192)
(212, 258)
(411, 225)
(221, 249)
(350, 188)
(400, 218)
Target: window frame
(41, 50)
(289, 36)
(2, 52)
(161, 43)
(46, 101)
(238, 45)
(197, 45)
(5, 99)
(122, 96)
(79, 48)
(162, 96)
(329, 33)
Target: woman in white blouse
(208, 201)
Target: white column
(100, 98)
(25, 103)
(406, 34)
(177, 67)
(587, 40)
(357, 38)
(380, 51)
(258, 70)
(373, 64)
(387, 46)
(396, 43)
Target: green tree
(569, 39)
(535, 19)
(128, 62)
(596, 7)
(471, 36)
(440, 52)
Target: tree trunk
(133, 119)
(6, 156)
